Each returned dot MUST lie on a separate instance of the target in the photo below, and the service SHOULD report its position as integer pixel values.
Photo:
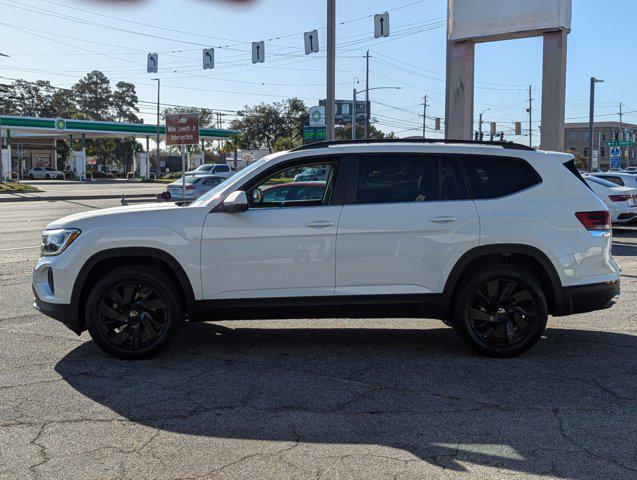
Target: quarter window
(493, 177)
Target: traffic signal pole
(331, 68)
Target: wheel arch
(112, 258)
(527, 257)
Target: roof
(60, 127)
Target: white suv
(490, 238)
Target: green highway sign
(621, 143)
(314, 134)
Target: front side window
(290, 187)
(493, 177)
(613, 179)
(391, 178)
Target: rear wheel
(134, 312)
(500, 311)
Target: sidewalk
(63, 190)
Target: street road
(63, 188)
(322, 399)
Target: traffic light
(502, 136)
(437, 123)
(518, 128)
(493, 128)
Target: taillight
(620, 198)
(595, 220)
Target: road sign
(381, 25)
(182, 129)
(343, 111)
(208, 58)
(311, 42)
(615, 152)
(317, 116)
(595, 160)
(620, 143)
(258, 52)
(152, 63)
(314, 134)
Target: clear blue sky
(60, 40)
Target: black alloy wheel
(132, 315)
(500, 310)
(134, 312)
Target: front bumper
(587, 298)
(62, 312)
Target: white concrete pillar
(459, 90)
(553, 91)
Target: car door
(404, 225)
(277, 248)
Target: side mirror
(236, 202)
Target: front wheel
(134, 312)
(30, 176)
(500, 311)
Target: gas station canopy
(62, 127)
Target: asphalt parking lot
(328, 399)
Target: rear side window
(391, 178)
(493, 177)
(616, 180)
(222, 168)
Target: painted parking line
(18, 248)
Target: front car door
(278, 247)
(404, 225)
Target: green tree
(264, 124)
(93, 95)
(344, 132)
(124, 103)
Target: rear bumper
(62, 312)
(587, 298)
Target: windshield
(237, 177)
(203, 168)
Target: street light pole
(591, 118)
(354, 115)
(331, 68)
(367, 95)
(157, 139)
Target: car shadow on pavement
(566, 408)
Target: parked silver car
(196, 185)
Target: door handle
(320, 224)
(442, 219)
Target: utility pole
(354, 115)
(530, 117)
(424, 117)
(591, 118)
(331, 68)
(157, 139)
(367, 95)
(621, 126)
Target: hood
(117, 216)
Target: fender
(503, 248)
(144, 252)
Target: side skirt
(359, 306)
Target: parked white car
(219, 169)
(196, 185)
(621, 201)
(468, 233)
(44, 172)
(622, 179)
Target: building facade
(576, 141)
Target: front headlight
(55, 241)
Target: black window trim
(351, 196)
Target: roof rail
(511, 145)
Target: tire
(134, 312)
(30, 176)
(47, 176)
(500, 311)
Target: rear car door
(405, 222)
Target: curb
(59, 198)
